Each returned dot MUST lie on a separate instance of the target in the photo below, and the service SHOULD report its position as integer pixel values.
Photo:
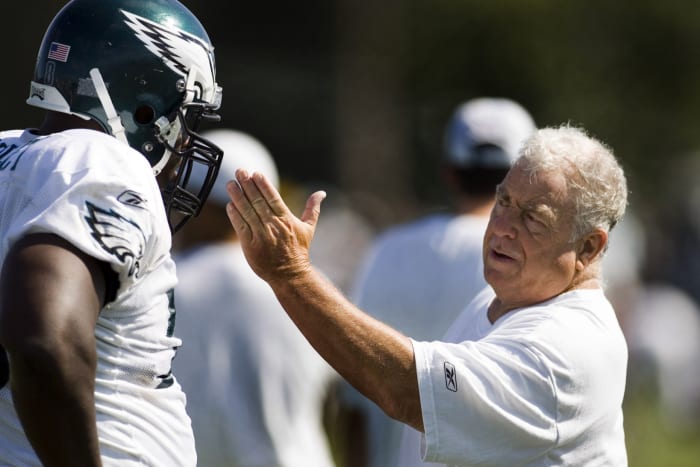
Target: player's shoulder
(10, 135)
(77, 149)
(573, 314)
(79, 163)
(95, 148)
(581, 301)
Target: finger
(232, 186)
(271, 195)
(234, 215)
(234, 190)
(243, 204)
(249, 185)
(237, 222)
(312, 210)
(238, 197)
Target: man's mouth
(500, 255)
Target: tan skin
(374, 358)
(528, 255)
(363, 350)
(51, 297)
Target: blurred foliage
(627, 71)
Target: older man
(533, 372)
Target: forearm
(373, 357)
(54, 399)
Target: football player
(86, 315)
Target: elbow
(36, 357)
(405, 409)
(31, 352)
(401, 401)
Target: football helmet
(145, 71)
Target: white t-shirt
(255, 387)
(542, 386)
(417, 278)
(101, 196)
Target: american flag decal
(58, 52)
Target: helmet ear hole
(144, 115)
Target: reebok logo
(450, 377)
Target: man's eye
(534, 223)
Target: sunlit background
(352, 97)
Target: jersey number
(167, 380)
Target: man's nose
(504, 222)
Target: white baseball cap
(241, 151)
(487, 133)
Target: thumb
(313, 208)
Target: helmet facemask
(183, 199)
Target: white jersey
(417, 278)
(255, 387)
(542, 386)
(101, 196)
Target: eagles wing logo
(174, 46)
(117, 235)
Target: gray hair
(595, 179)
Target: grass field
(650, 444)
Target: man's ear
(590, 248)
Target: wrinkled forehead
(545, 186)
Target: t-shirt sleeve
(488, 402)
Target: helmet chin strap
(113, 119)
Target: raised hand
(275, 242)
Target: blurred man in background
(662, 325)
(418, 277)
(255, 387)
